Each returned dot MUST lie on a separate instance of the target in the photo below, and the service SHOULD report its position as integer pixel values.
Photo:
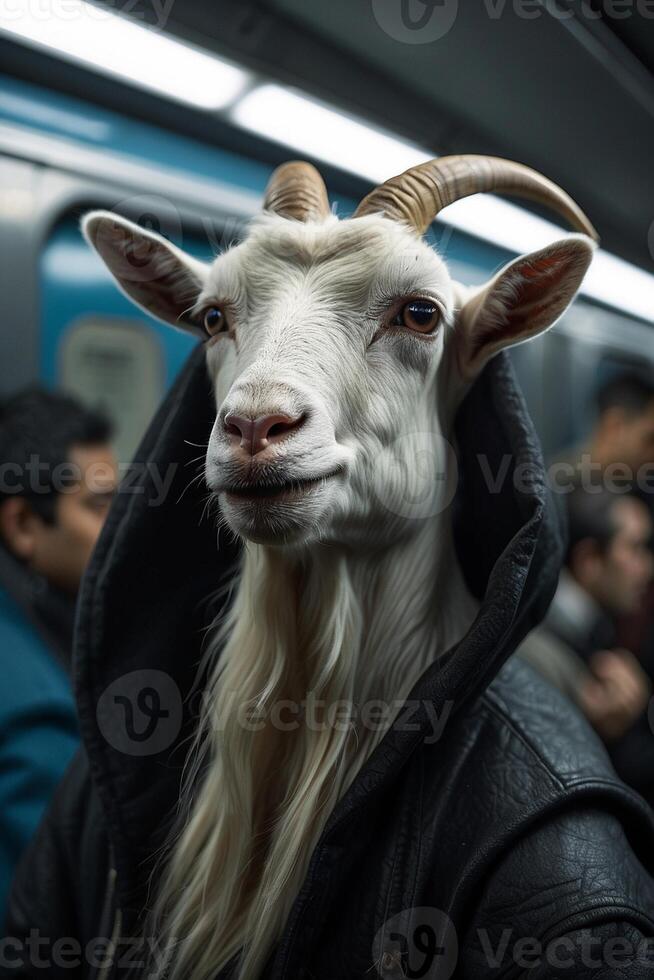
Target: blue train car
(66, 324)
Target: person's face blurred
(621, 573)
(61, 551)
(630, 437)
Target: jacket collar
(147, 598)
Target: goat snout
(255, 435)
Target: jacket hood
(145, 602)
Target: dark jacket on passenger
(505, 835)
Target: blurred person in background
(619, 455)
(608, 568)
(622, 438)
(58, 476)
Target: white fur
(346, 594)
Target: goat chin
(291, 517)
(313, 629)
(332, 344)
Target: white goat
(339, 352)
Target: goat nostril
(238, 425)
(283, 426)
(272, 428)
(255, 434)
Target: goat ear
(151, 271)
(523, 300)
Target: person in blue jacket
(57, 479)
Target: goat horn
(296, 190)
(417, 195)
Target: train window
(118, 367)
(95, 343)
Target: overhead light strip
(115, 45)
(288, 117)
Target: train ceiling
(565, 86)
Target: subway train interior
(72, 140)
(164, 784)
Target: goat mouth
(270, 491)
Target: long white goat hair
(268, 793)
(352, 346)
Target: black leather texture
(507, 847)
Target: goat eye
(214, 321)
(419, 315)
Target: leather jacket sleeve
(569, 900)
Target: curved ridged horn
(296, 190)
(417, 195)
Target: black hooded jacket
(504, 847)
